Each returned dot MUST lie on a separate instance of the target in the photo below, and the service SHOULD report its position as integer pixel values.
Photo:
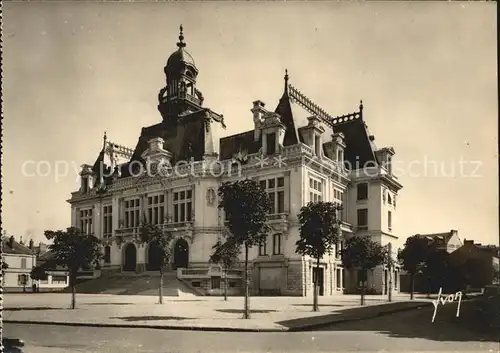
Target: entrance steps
(136, 284)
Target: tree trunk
(316, 287)
(160, 290)
(225, 284)
(363, 293)
(72, 280)
(246, 313)
(412, 285)
(389, 297)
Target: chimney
(21, 240)
(11, 241)
(32, 244)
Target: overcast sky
(426, 73)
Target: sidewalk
(273, 314)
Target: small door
(319, 274)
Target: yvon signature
(446, 299)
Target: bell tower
(180, 95)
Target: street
(410, 331)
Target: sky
(426, 73)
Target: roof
(11, 246)
(359, 148)
(47, 261)
(180, 56)
(440, 237)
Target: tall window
(338, 278)
(263, 248)
(23, 263)
(338, 200)
(362, 191)
(271, 143)
(277, 244)
(363, 219)
(317, 146)
(389, 220)
(156, 209)
(389, 164)
(132, 213)
(86, 221)
(315, 190)
(275, 189)
(338, 249)
(183, 201)
(107, 221)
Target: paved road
(410, 331)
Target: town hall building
(296, 151)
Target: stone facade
(298, 153)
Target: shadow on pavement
(416, 323)
(109, 304)
(150, 318)
(240, 311)
(320, 305)
(31, 309)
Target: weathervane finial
(286, 80)
(181, 43)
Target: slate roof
(439, 238)
(359, 148)
(13, 247)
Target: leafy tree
(413, 256)
(74, 250)
(226, 254)
(39, 273)
(496, 273)
(161, 239)
(436, 267)
(319, 232)
(246, 206)
(363, 254)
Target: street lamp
(389, 265)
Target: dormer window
(271, 143)
(85, 184)
(317, 145)
(362, 191)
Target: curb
(152, 327)
(220, 329)
(352, 319)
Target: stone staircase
(136, 284)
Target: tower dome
(180, 58)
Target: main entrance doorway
(130, 258)
(181, 254)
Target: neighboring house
(57, 276)
(479, 263)
(297, 152)
(448, 241)
(20, 260)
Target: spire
(361, 108)
(286, 81)
(105, 140)
(181, 43)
